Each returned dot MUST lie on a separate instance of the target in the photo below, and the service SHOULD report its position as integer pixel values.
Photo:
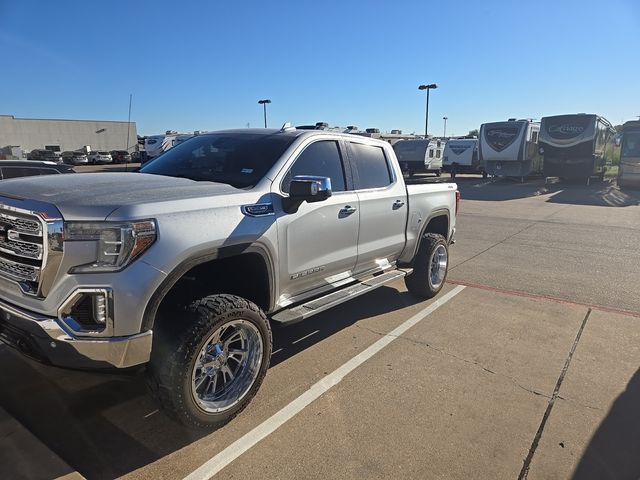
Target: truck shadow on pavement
(106, 425)
(613, 451)
(326, 324)
(95, 422)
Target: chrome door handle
(397, 204)
(347, 210)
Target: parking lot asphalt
(529, 371)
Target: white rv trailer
(154, 145)
(461, 156)
(393, 137)
(420, 155)
(510, 149)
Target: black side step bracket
(317, 305)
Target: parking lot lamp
(444, 134)
(426, 119)
(264, 107)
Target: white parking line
(302, 338)
(244, 443)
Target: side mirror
(306, 188)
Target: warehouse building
(27, 134)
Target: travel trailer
(461, 156)
(576, 146)
(154, 145)
(420, 156)
(393, 137)
(629, 168)
(510, 149)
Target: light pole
(264, 107)
(426, 116)
(444, 135)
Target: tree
(473, 133)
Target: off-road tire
(419, 281)
(175, 350)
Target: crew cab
(183, 267)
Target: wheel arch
(438, 222)
(210, 258)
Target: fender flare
(436, 213)
(182, 268)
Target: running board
(312, 307)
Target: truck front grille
(22, 249)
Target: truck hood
(93, 196)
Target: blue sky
(202, 65)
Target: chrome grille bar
(23, 248)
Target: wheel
(438, 173)
(484, 175)
(430, 267)
(208, 372)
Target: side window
(437, 153)
(534, 137)
(370, 163)
(15, 172)
(321, 159)
(431, 153)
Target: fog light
(88, 311)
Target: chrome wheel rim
(227, 366)
(438, 266)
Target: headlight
(117, 244)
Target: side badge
(258, 209)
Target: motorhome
(510, 149)
(461, 156)
(629, 167)
(420, 155)
(576, 146)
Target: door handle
(347, 210)
(397, 204)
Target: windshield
(237, 159)
(631, 144)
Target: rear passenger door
(383, 208)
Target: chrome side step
(317, 305)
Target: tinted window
(320, 159)
(15, 172)
(437, 153)
(431, 153)
(237, 159)
(370, 163)
(631, 144)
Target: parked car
(183, 266)
(74, 158)
(29, 168)
(44, 155)
(120, 156)
(99, 157)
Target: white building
(62, 135)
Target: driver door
(317, 244)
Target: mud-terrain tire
(225, 339)
(430, 267)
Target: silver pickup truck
(184, 266)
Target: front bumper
(44, 339)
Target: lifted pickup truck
(184, 266)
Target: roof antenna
(286, 127)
